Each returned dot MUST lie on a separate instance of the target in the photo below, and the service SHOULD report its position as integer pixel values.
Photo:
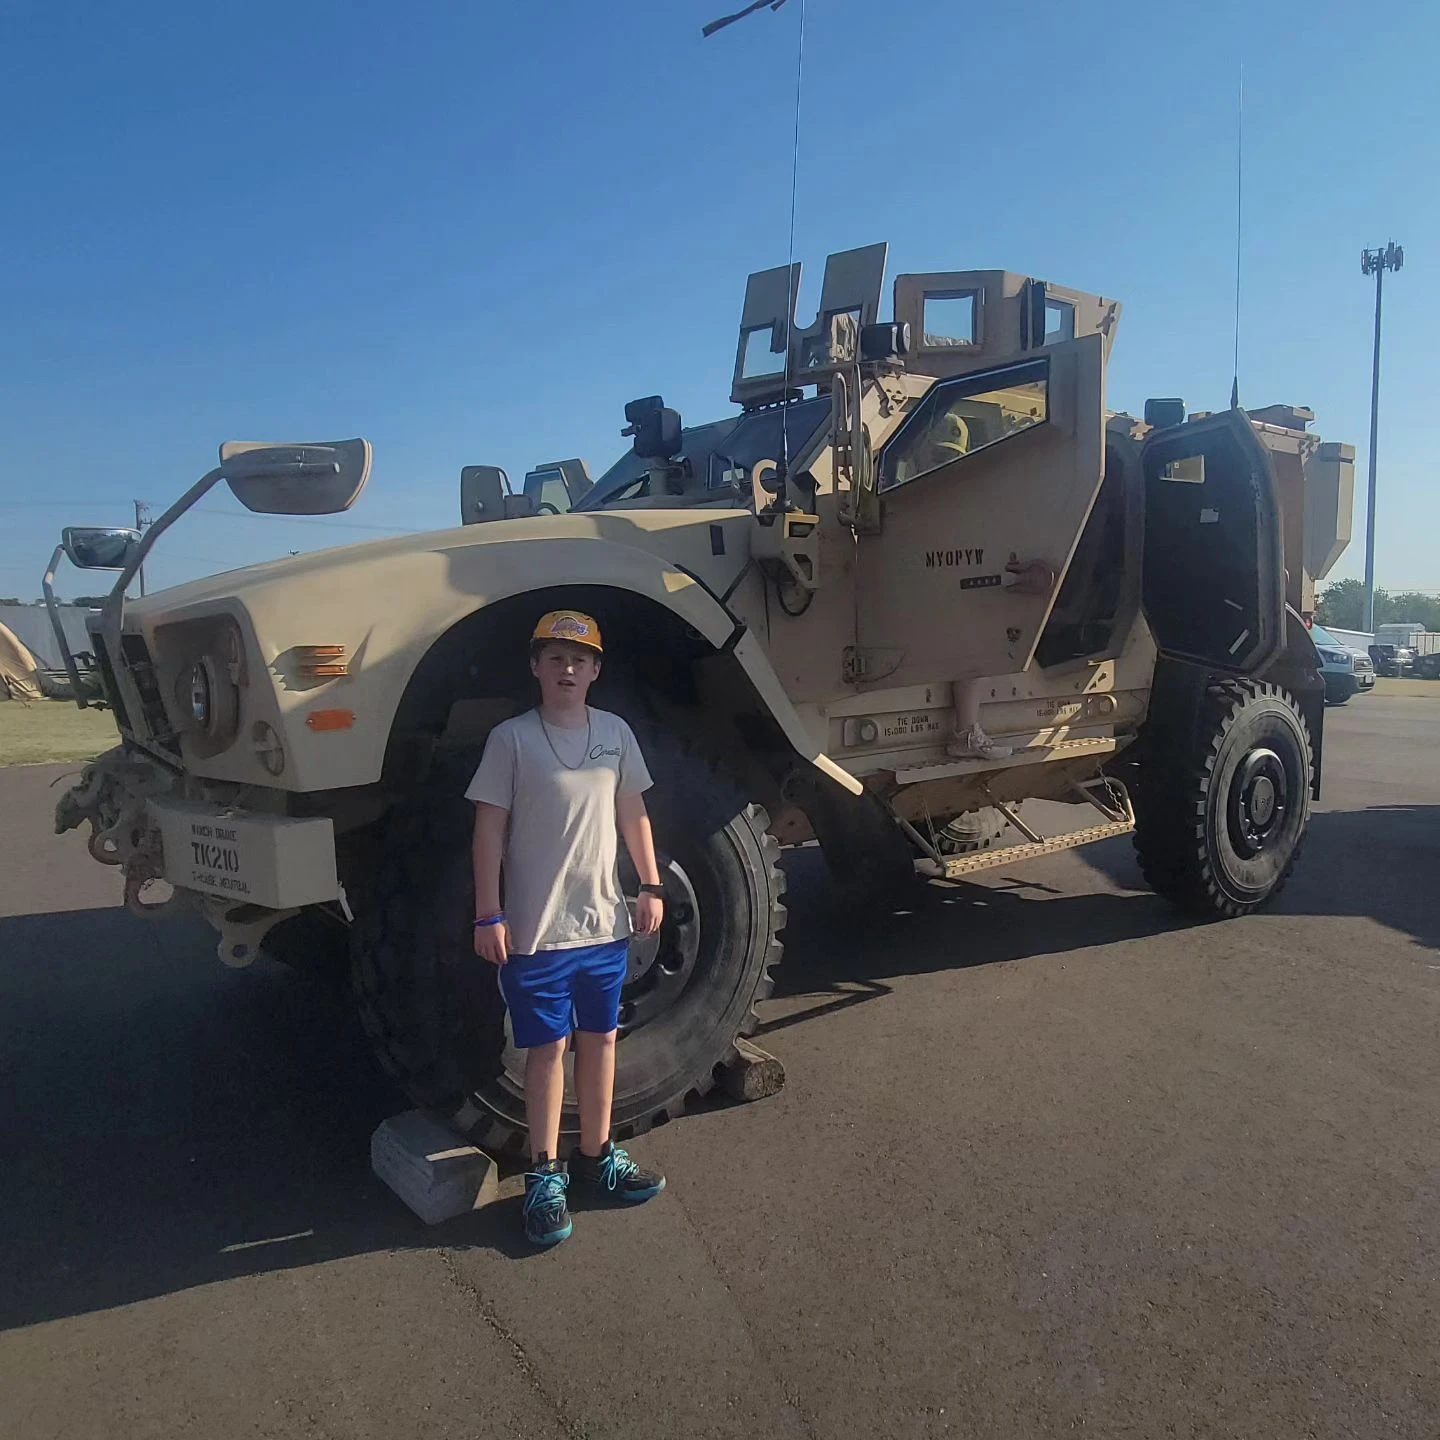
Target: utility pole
(142, 521)
(1376, 263)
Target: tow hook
(111, 795)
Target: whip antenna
(708, 30)
(1239, 217)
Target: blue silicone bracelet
(491, 920)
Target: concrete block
(431, 1168)
(752, 1074)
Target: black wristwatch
(653, 890)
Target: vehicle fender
(407, 600)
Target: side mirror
(296, 479)
(485, 495)
(92, 548)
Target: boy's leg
(594, 1087)
(545, 1096)
(603, 1171)
(537, 993)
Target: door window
(961, 416)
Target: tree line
(1342, 605)
(85, 602)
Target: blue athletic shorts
(553, 992)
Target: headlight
(209, 700)
(198, 695)
(1335, 657)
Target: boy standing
(552, 789)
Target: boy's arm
(491, 941)
(634, 822)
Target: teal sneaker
(547, 1219)
(612, 1177)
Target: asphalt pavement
(1049, 1160)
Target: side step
(952, 867)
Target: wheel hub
(1259, 800)
(660, 966)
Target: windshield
(712, 450)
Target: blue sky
(471, 231)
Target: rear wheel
(1218, 830)
(432, 1009)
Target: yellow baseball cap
(568, 625)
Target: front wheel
(1217, 831)
(432, 1008)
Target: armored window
(1059, 322)
(949, 319)
(758, 358)
(970, 413)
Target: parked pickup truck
(1346, 671)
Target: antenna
(1239, 219)
(790, 255)
(707, 31)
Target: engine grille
(152, 725)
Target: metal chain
(589, 725)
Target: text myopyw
(940, 559)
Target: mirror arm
(113, 611)
(53, 607)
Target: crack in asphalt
(788, 1394)
(487, 1313)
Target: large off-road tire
(432, 1009)
(1218, 830)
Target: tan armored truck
(920, 575)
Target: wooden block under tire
(753, 1074)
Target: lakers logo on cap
(569, 625)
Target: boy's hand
(492, 943)
(649, 913)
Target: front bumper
(270, 860)
(220, 854)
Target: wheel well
(478, 673)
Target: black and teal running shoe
(612, 1177)
(547, 1219)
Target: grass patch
(44, 731)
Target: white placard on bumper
(270, 860)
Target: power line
(207, 510)
(303, 520)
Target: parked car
(1389, 660)
(1346, 672)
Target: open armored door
(985, 489)
(1214, 576)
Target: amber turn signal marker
(321, 662)
(330, 719)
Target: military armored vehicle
(919, 575)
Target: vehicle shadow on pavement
(1377, 864)
(830, 952)
(170, 1124)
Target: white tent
(18, 680)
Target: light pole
(1376, 263)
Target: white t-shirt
(561, 858)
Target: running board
(1115, 806)
(955, 866)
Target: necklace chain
(585, 754)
